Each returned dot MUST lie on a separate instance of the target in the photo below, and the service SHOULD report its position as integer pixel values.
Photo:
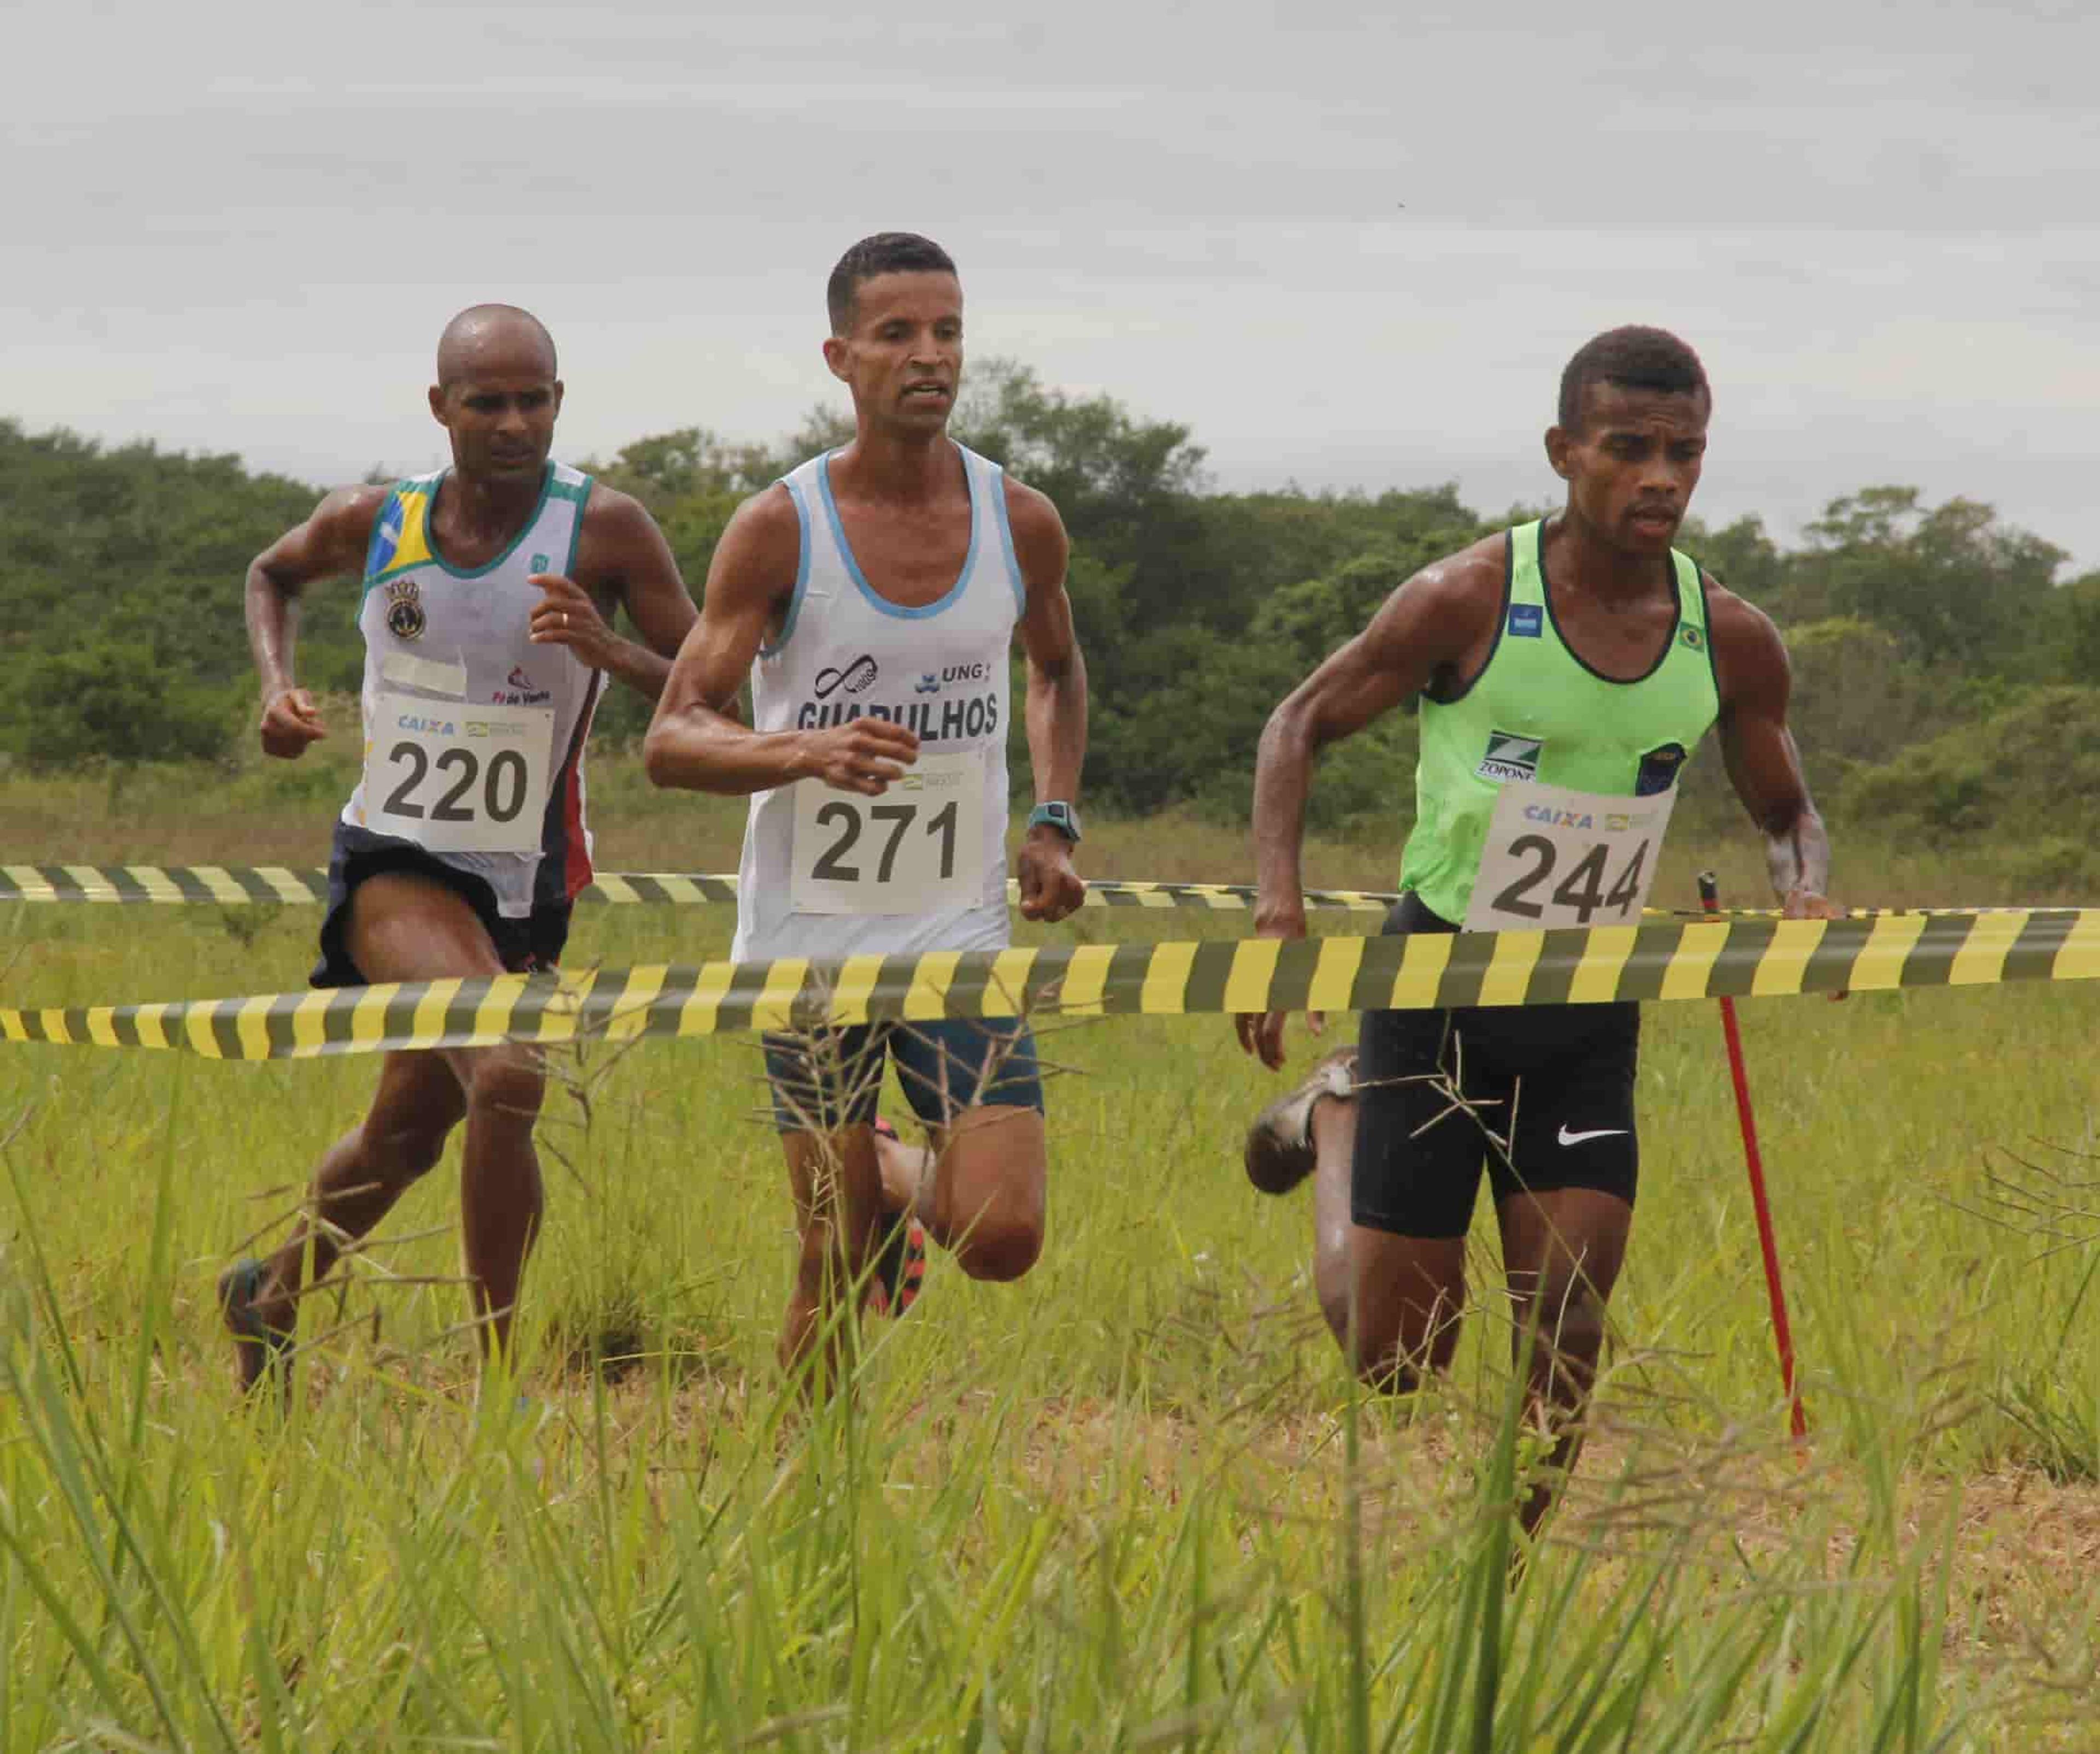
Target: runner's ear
(1560, 442)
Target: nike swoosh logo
(1567, 1137)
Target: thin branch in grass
(277, 1222)
(390, 1279)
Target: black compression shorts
(525, 946)
(1541, 1096)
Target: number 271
(832, 868)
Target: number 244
(1583, 888)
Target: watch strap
(1058, 815)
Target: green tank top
(1536, 712)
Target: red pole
(1709, 898)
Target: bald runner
(489, 590)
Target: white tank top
(831, 874)
(473, 736)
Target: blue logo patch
(1659, 769)
(1527, 620)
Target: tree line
(1943, 658)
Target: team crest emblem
(405, 619)
(540, 563)
(1659, 769)
(1510, 757)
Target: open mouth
(926, 393)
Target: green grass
(1129, 1503)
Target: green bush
(109, 701)
(2028, 771)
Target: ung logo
(928, 684)
(405, 619)
(1510, 757)
(966, 673)
(1527, 621)
(855, 678)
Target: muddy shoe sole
(1279, 1152)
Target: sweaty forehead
(1625, 407)
(923, 296)
(511, 353)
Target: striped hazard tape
(1740, 958)
(232, 885)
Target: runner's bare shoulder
(1450, 608)
(1749, 652)
(761, 551)
(1040, 542)
(332, 541)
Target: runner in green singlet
(1566, 671)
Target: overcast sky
(1347, 249)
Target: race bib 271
(918, 848)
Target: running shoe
(1279, 1144)
(256, 1347)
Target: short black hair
(1636, 358)
(885, 253)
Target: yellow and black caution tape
(233, 885)
(1691, 959)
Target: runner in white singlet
(489, 587)
(872, 599)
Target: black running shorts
(1540, 1096)
(525, 946)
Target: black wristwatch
(1060, 816)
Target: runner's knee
(1398, 1341)
(404, 1154)
(506, 1087)
(1382, 1361)
(1568, 1316)
(1003, 1240)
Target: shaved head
(501, 338)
